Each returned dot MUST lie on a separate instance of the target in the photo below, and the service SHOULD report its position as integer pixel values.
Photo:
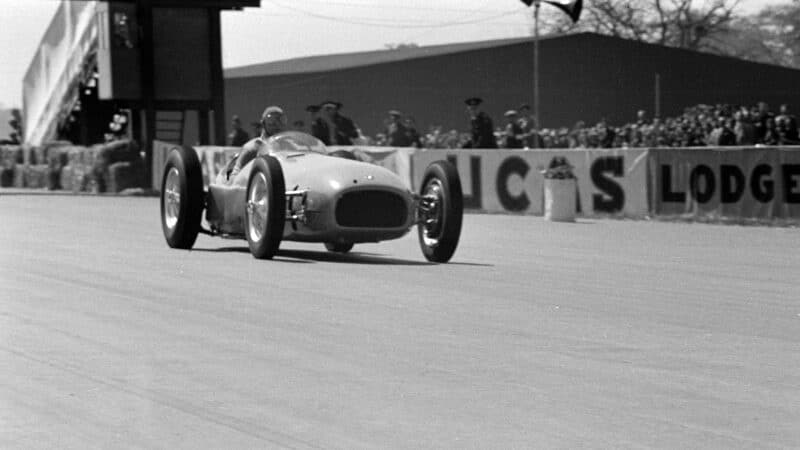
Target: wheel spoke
(257, 207)
(172, 198)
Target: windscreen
(294, 142)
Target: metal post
(536, 4)
(145, 16)
(217, 77)
(658, 96)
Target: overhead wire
(392, 23)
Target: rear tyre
(265, 211)
(182, 198)
(338, 247)
(440, 220)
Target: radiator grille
(371, 209)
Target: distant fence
(699, 183)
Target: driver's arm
(249, 151)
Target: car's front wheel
(182, 198)
(440, 212)
(265, 211)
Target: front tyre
(265, 211)
(440, 212)
(182, 198)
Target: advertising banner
(610, 181)
(718, 183)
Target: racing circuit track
(599, 334)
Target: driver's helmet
(273, 120)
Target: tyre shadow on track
(308, 256)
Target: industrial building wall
(583, 77)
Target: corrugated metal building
(583, 77)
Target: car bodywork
(328, 198)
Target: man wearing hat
(396, 133)
(273, 121)
(482, 127)
(238, 136)
(341, 130)
(527, 121)
(318, 127)
(513, 133)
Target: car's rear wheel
(440, 212)
(182, 198)
(339, 247)
(265, 211)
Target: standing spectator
(411, 130)
(760, 120)
(482, 127)
(532, 138)
(743, 129)
(787, 126)
(319, 127)
(342, 129)
(641, 118)
(771, 136)
(396, 132)
(513, 134)
(238, 136)
(606, 134)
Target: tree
(689, 24)
(771, 36)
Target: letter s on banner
(616, 201)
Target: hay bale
(124, 175)
(7, 177)
(19, 176)
(66, 177)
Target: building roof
(325, 63)
(341, 61)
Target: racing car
(296, 189)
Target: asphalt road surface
(599, 334)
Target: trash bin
(559, 199)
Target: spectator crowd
(698, 126)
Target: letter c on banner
(512, 165)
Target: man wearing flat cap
(513, 134)
(238, 136)
(319, 129)
(482, 127)
(527, 121)
(341, 130)
(396, 132)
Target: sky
(283, 29)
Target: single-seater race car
(295, 189)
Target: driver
(273, 121)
